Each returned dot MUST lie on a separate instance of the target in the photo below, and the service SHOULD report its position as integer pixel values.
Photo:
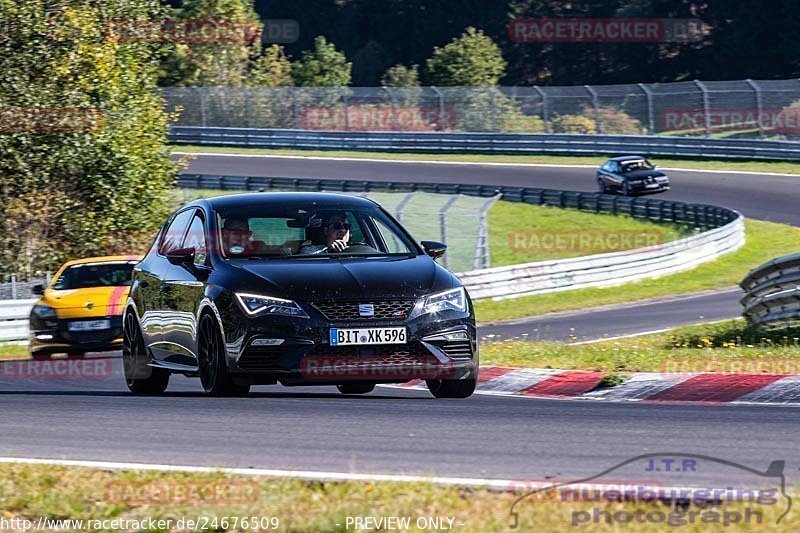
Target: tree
(83, 152)
(472, 60)
(271, 69)
(221, 37)
(401, 76)
(324, 66)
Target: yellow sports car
(81, 310)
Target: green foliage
(472, 60)
(401, 76)
(324, 66)
(573, 124)
(90, 160)
(612, 120)
(214, 59)
(271, 69)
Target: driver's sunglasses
(340, 225)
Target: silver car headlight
(449, 300)
(256, 304)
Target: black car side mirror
(38, 289)
(181, 256)
(434, 249)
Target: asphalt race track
(389, 431)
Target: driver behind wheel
(336, 232)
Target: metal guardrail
(14, 319)
(501, 143)
(772, 293)
(723, 232)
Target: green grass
(729, 346)
(765, 241)
(783, 167)
(521, 233)
(30, 492)
(13, 351)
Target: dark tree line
(744, 39)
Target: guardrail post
(706, 106)
(440, 97)
(650, 111)
(545, 108)
(596, 106)
(759, 105)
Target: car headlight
(255, 304)
(450, 300)
(662, 179)
(44, 311)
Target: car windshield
(86, 275)
(639, 164)
(307, 230)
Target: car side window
(196, 238)
(172, 238)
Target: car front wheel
(213, 368)
(139, 376)
(451, 388)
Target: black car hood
(309, 279)
(644, 173)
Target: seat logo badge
(366, 310)
(89, 305)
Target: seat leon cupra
(297, 289)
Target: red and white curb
(716, 388)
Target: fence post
(346, 101)
(545, 108)
(394, 106)
(596, 106)
(482, 255)
(492, 123)
(202, 92)
(443, 224)
(248, 109)
(650, 111)
(759, 105)
(440, 97)
(706, 106)
(401, 206)
(295, 108)
(13, 286)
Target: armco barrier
(14, 319)
(772, 293)
(510, 143)
(723, 232)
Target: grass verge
(31, 492)
(13, 351)
(729, 346)
(782, 167)
(765, 241)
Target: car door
(182, 289)
(615, 177)
(161, 319)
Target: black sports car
(296, 288)
(630, 175)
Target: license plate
(89, 325)
(354, 337)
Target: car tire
(451, 388)
(139, 376)
(213, 367)
(601, 187)
(41, 356)
(356, 388)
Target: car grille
(349, 311)
(263, 358)
(381, 350)
(455, 349)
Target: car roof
(624, 158)
(102, 259)
(232, 201)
